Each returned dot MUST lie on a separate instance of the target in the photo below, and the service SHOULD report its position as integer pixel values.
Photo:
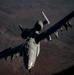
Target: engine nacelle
(38, 26)
(25, 33)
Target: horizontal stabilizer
(46, 19)
(21, 27)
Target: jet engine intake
(38, 26)
(25, 33)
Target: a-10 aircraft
(31, 48)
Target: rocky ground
(55, 56)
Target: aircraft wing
(10, 52)
(55, 27)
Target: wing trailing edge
(55, 27)
(10, 52)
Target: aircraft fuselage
(30, 51)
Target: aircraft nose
(30, 65)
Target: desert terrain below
(55, 56)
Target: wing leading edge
(10, 52)
(55, 27)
